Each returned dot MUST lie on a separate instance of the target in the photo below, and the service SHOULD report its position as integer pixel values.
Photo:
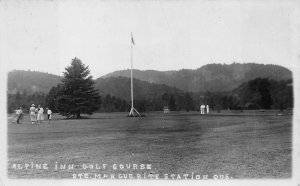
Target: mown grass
(243, 145)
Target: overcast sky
(169, 35)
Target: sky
(169, 35)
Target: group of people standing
(37, 114)
(204, 109)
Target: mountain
(120, 87)
(211, 77)
(170, 88)
(31, 81)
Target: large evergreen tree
(78, 94)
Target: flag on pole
(132, 41)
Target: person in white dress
(32, 114)
(202, 108)
(207, 109)
(40, 116)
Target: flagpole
(131, 75)
(132, 110)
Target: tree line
(260, 93)
(76, 95)
(255, 94)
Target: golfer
(20, 115)
(49, 113)
(40, 115)
(32, 114)
(202, 109)
(207, 109)
(17, 115)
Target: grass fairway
(242, 145)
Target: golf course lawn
(249, 144)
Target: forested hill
(33, 87)
(31, 81)
(211, 77)
(120, 87)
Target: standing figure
(40, 115)
(202, 108)
(166, 109)
(207, 109)
(32, 114)
(16, 116)
(19, 115)
(49, 114)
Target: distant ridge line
(211, 77)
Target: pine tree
(78, 94)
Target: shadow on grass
(95, 118)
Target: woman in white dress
(202, 108)
(32, 114)
(40, 116)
